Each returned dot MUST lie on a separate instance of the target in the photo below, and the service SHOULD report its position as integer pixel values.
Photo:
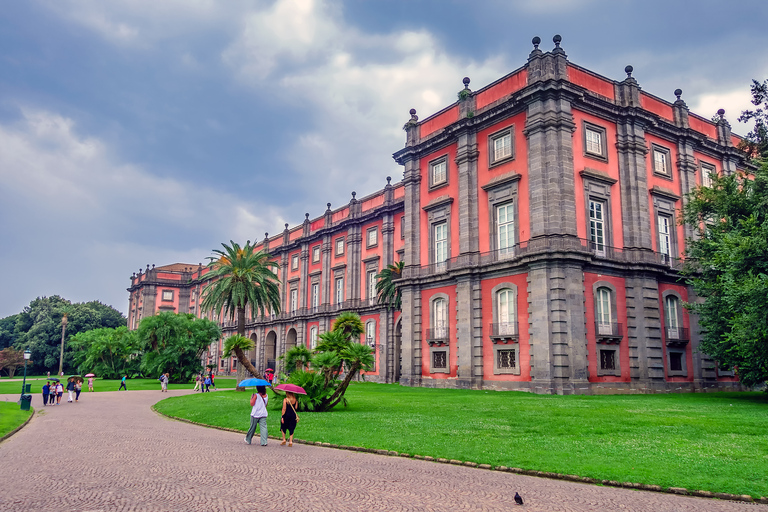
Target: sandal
(282, 444)
(290, 444)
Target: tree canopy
(106, 352)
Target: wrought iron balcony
(609, 332)
(676, 335)
(504, 331)
(437, 336)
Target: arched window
(313, 337)
(370, 333)
(671, 317)
(506, 311)
(603, 314)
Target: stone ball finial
(628, 70)
(721, 112)
(306, 215)
(329, 206)
(266, 235)
(414, 117)
(557, 40)
(354, 194)
(389, 179)
(466, 82)
(678, 93)
(412, 111)
(536, 42)
(286, 225)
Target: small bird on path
(518, 499)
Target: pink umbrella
(90, 375)
(291, 388)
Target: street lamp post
(27, 355)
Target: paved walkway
(110, 452)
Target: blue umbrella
(247, 383)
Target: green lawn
(111, 385)
(11, 416)
(716, 442)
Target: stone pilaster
(411, 337)
(646, 352)
(466, 163)
(303, 282)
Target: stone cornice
(437, 203)
(500, 181)
(596, 175)
(664, 192)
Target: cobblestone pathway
(110, 452)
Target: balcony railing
(437, 336)
(608, 332)
(504, 331)
(676, 335)
(546, 245)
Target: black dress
(289, 419)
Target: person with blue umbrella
(259, 402)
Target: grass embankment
(11, 416)
(716, 442)
(111, 385)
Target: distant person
(59, 392)
(164, 383)
(213, 382)
(122, 383)
(70, 390)
(90, 383)
(49, 375)
(207, 384)
(197, 382)
(46, 392)
(290, 418)
(259, 402)
(78, 389)
(270, 376)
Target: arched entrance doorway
(398, 349)
(290, 342)
(270, 350)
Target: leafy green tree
(109, 353)
(174, 343)
(756, 141)
(11, 360)
(239, 279)
(7, 328)
(728, 269)
(387, 292)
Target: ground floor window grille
(607, 359)
(439, 360)
(505, 359)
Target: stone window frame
(602, 345)
(295, 262)
(656, 148)
(336, 241)
(371, 268)
(373, 348)
(674, 349)
(339, 273)
(431, 165)
(706, 169)
(665, 207)
(313, 343)
(501, 192)
(293, 288)
(402, 227)
(316, 253)
(492, 138)
(437, 214)
(507, 344)
(431, 325)
(597, 187)
(603, 132)
(163, 295)
(375, 231)
(315, 281)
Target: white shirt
(260, 407)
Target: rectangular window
(440, 319)
(167, 294)
(439, 359)
(315, 295)
(672, 318)
(339, 246)
(294, 299)
(597, 226)
(316, 254)
(339, 290)
(438, 172)
(506, 313)
(372, 286)
(313, 338)
(505, 225)
(676, 361)
(373, 237)
(441, 243)
(501, 146)
(607, 359)
(603, 312)
(665, 240)
(505, 359)
(661, 161)
(594, 142)
(402, 227)
(295, 262)
(706, 174)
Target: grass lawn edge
(24, 424)
(528, 472)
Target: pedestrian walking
(197, 382)
(213, 382)
(122, 383)
(46, 392)
(289, 418)
(207, 384)
(49, 375)
(78, 389)
(59, 392)
(90, 383)
(70, 389)
(259, 402)
(164, 383)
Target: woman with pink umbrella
(289, 418)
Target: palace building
(538, 222)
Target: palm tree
(240, 278)
(386, 290)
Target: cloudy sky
(150, 131)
